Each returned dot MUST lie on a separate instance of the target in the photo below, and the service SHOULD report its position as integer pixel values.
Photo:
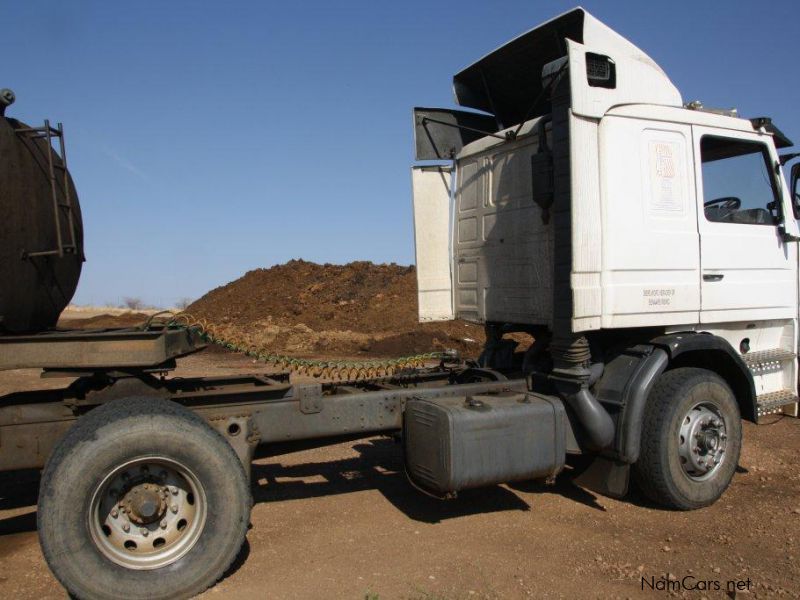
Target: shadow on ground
(19, 489)
(379, 466)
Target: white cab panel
(587, 224)
(651, 262)
(638, 79)
(431, 193)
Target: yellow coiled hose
(329, 369)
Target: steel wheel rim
(702, 441)
(147, 513)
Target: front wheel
(691, 438)
(142, 499)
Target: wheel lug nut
(115, 513)
(144, 531)
(173, 490)
(163, 524)
(126, 528)
(174, 508)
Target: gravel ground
(341, 522)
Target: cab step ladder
(765, 362)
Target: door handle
(713, 276)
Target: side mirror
(794, 190)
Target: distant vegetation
(133, 303)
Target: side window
(738, 186)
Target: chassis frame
(249, 410)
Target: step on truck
(646, 246)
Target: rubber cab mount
(142, 499)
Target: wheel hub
(702, 438)
(147, 513)
(145, 503)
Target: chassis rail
(248, 410)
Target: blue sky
(207, 139)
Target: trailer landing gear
(142, 499)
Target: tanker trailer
(41, 232)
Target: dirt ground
(342, 522)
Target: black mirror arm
(788, 237)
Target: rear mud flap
(606, 476)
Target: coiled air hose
(226, 338)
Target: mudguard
(629, 377)
(623, 390)
(708, 351)
(626, 384)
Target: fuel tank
(41, 230)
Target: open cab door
(431, 195)
(439, 135)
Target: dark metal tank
(41, 231)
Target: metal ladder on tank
(48, 133)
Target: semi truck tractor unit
(646, 246)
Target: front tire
(142, 499)
(691, 439)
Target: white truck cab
(648, 245)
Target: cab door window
(738, 186)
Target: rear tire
(691, 439)
(142, 499)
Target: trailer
(646, 245)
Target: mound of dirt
(103, 321)
(355, 309)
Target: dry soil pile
(355, 309)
